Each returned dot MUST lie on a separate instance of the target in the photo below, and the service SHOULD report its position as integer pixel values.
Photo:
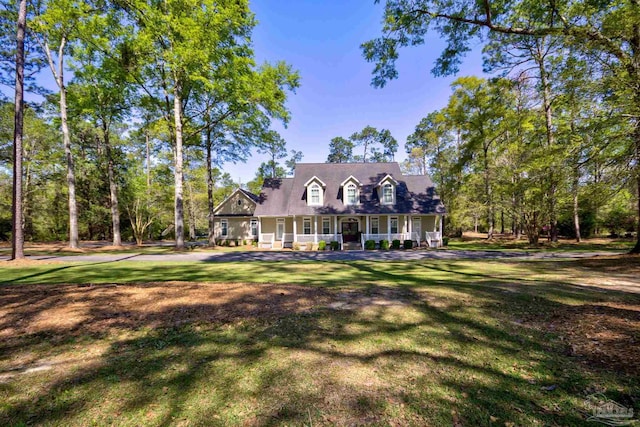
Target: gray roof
(415, 194)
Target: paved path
(320, 256)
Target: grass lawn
(474, 242)
(435, 342)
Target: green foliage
(408, 244)
(322, 245)
(384, 245)
(334, 245)
(395, 244)
(370, 245)
(445, 241)
(377, 146)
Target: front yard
(435, 342)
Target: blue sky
(321, 39)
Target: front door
(279, 229)
(349, 231)
(416, 226)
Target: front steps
(351, 246)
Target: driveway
(320, 256)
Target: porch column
(435, 224)
(315, 229)
(335, 227)
(366, 230)
(295, 230)
(259, 228)
(405, 228)
(410, 229)
(441, 220)
(388, 227)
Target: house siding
(238, 228)
(232, 207)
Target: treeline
(525, 155)
(159, 99)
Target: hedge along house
(344, 202)
(234, 218)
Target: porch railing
(267, 238)
(433, 238)
(390, 237)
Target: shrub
(395, 244)
(244, 243)
(384, 245)
(445, 241)
(295, 246)
(227, 242)
(408, 244)
(322, 245)
(334, 245)
(370, 245)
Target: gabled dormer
(315, 191)
(351, 191)
(387, 190)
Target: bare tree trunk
(58, 75)
(548, 117)
(17, 238)
(178, 173)
(489, 194)
(191, 212)
(113, 188)
(211, 218)
(576, 207)
(636, 248)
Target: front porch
(349, 231)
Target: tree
(294, 158)
(604, 31)
(17, 243)
(340, 150)
(276, 148)
(55, 26)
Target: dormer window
(315, 191)
(387, 190)
(387, 194)
(352, 194)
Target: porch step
(351, 246)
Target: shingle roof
(415, 194)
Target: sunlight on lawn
(315, 343)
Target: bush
(445, 241)
(244, 243)
(395, 244)
(295, 246)
(370, 245)
(227, 242)
(408, 244)
(322, 245)
(334, 245)
(384, 245)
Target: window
(314, 192)
(239, 202)
(375, 226)
(254, 227)
(224, 226)
(306, 226)
(352, 194)
(387, 194)
(326, 226)
(394, 225)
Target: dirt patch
(605, 336)
(27, 262)
(60, 309)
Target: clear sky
(321, 39)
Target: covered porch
(350, 231)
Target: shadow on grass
(388, 346)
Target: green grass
(564, 245)
(434, 342)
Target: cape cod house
(344, 202)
